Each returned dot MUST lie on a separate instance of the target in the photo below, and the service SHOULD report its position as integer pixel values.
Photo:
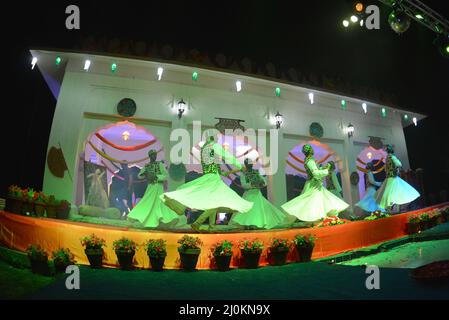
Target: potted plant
(278, 250)
(189, 251)
(304, 246)
(14, 201)
(125, 249)
(156, 251)
(39, 204)
(93, 248)
(38, 259)
(251, 251)
(378, 214)
(222, 252)
(28, 201)
(445, 214)
(413, 224)
(331, 221)
(63, 210)
(425, 221)
(52, 207)
(62, 258)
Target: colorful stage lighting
(33, 63)
(365, 108)
(311, 97)
(384, 112)
(358, 7)
(345, 23)
(354, 19)
(86, 65)
(343, 104)
(113, 67)
(415, 121)
(160, 71)
(238, 86)
(419, 16)
(195, 76)
(278, 92)
(58, 60)
(405, 117)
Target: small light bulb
(311, 97)
(415, 121)
(33, 63)
(345, 23)
(238, 86)
(354, 19)
(365, 108)
(86, 65)
(160, 70)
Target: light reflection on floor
(410, 255)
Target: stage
(18, 232)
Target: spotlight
(365, 109)
(58, 60)
(343, 104)
(419, 16)
(195, 76)
(238, 86)
(405, 117)
(358, 7)
(278, 92)
(361, 22)
(160, 71)
(354, 19)
(86, 65)
(113, 67)
(33, 63)
(311, 97)
(345, 23)
(415, 121)
(399, 21)
(384, 112)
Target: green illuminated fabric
(208, 192)
(394, 190)
(314, 202)
(263, 214)
(150, 210)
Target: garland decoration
(122, 148)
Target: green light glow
(384, 112)
(278, 92)
(419, 16)
(113, 67)
(195, 76)
(343, 104)
(58, 60)
(447, 49)
(405, 117)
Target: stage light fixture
(195, 76)
(181, 108)
(365, 108)
(33, 62)
(442, 42)
(87, 65)
(361, 22)
(419, 16)
(358, 7)
(160, 71)
(350, 130)
(345, 23)
(354, 19)
(238, 86)
(415, 121)
(58, 60)
(405, 117)
(384, 112)
(343, 104)
(113, 67)
(278, 118)
(311, 97)
(399, 21)
(278, 92)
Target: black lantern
(278, 118)
(350, 130)
(181, 108)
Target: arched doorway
(295, 173)
(116, 152)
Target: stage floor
(17, 232)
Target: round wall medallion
(316, 130)
(126, 107)
(177, 171)
(355, 178)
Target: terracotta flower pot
(189, 259)
(305, 253)
(413, 228)
(223, 262)
(157, 263)
(125, 259)
(95, 257)
(279, 256)
(52, 211)
(251, 259)
(39, 209)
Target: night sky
(309, 37)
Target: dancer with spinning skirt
(368, 202)
(208, 193)
(394, 190)
(263, 214)
(150, 210)
(332, 183)
(315, 202)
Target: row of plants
(376, 215)
(420, 222)
(36, 203)
(40, 263)
(190, 248)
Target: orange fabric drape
(123, 148)
(18, 232)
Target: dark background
(308, 36)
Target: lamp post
(181, 108)
(278, 118)
(350, 130)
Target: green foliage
(253, 246)
(304, 240)
(222, 248)
(63, 257)
(279, 244)
(124, 244)
(188, 242)
(37, 253)
(92, 242)
(156, 248)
